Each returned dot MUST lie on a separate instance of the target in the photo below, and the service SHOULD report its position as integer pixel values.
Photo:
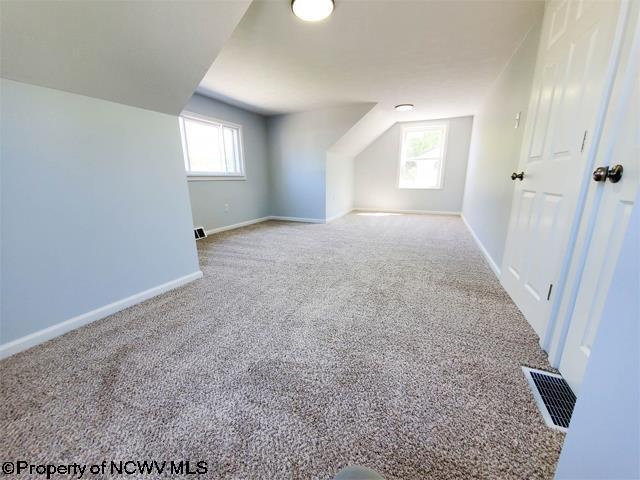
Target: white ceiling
(440, 55)
(149, 54)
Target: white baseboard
(236, 225)
(53, 331)
(335, 217)
(411, 212)
(213, 231)
(297, 219)
(484, 251)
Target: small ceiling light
(404, 107)
(312, 10)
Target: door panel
(559, 18)
(602, 269)
(538, 274)
(521, 231)
(543, 113)
(569, 105)
(569, 88)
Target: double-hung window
(422, 156)
(212, 148)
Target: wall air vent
(553, 395)
(200, 233)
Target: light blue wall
(340, 186)
(246, 199)
(298, 145)
(495, 149)
(376, 171)
(94, 207)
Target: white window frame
(196, 176)
(424, 126)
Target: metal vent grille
(553, 396)
(199, 233)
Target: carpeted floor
(384, 341)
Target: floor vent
(553, 396)
(200, 233)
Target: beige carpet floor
(384, 341)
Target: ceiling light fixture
(312, 10)
(404, 107)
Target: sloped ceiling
(373, 124)
(440, 55)
(148, 54)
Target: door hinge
(549, 292)
(584, 140)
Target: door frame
(553, 341)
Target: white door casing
(570, 88)
(608, 214)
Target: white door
(611, 210)
(570, 90)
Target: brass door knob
(614, 174)
(600, 174)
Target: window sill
(213, 178)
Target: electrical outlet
(226, 207)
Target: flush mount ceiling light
(312, 10)
(404, 107)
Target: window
(211, 148)
(422, 156)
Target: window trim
(422, 126)
(206, 176)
